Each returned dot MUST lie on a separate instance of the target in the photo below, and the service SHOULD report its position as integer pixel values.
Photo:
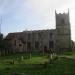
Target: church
(58, 39)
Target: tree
(1, 43)
(1, 36)
(4, 45)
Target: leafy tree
(1, 36)
(1, 41)
(4, 45)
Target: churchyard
(37, 64)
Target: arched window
(15, 42)
(36, 44)
(63, 21)
(51, 35)
(51, 44)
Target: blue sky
(20, 15)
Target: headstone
(22, 58)
(30, 56)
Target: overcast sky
(20, 15)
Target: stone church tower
(63, 32)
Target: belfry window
(51, 35)
(63, 21)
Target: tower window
(63, 21)
(51, 44)
(51, 35)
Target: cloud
(44, 9)
(42, 5)
(33, 14)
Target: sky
(21, 15)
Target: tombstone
(30, 56)
(22, 58)
(50, 56)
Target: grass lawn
(27, 66)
